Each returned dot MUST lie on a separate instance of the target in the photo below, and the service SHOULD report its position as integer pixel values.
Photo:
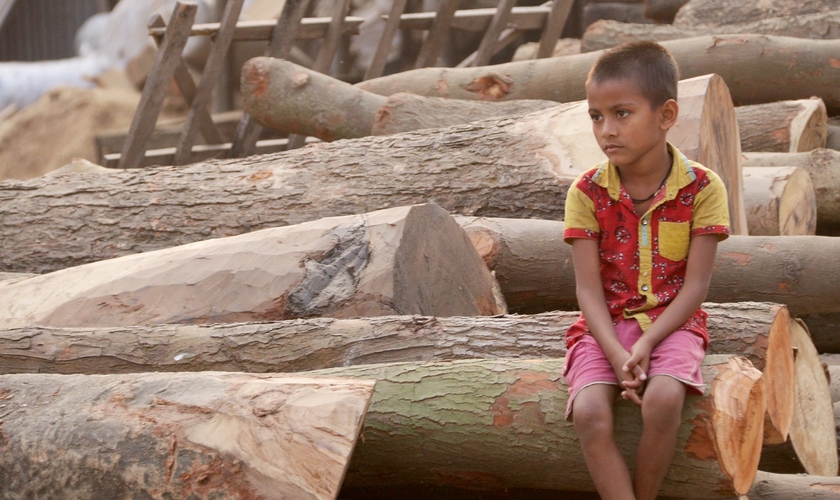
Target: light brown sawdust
(60, 126)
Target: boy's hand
(636, 367)
(631, 381)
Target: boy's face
(630, 132)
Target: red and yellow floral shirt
(643, 257)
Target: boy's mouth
(609, 148)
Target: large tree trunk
(619, 11)
(705, 131)
(783, 127)
(407, 260)
(196, 435)
(293, 99)
(499, 424)
(757, 68)
(823, 165)
(769, 486)
(606, 34)
(534, 267)
(780, 201)
(504, 168)
(812, 447)
(717, 12)
(663, 11)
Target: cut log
(812, 447)
(185, 435)
(717, 12)
(705, 130)
(534, 267)
(606, 34)
(293, 99)
(407, 260)
(769, 486)
(757, 68)
(499, 424)
(823, 166)
(501, 167)
(833, 140)
(780, 201)
(13, 277)
(663, 11)
(783, 127)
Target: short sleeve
(579, 218)
(711, 208)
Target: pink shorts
(679, 355)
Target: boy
(644, 228)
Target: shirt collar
(682, 174)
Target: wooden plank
(5, 8)
(433, 43)
(282, 40)
(162, 72)
(331, 38)
(529, 18)
(490, 40)
(554, 27)
(310, 28)
(166, 156)
(212, 68)
(507, 37)
(392, 23)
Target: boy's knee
(592, 418)
(663, 403)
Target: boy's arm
(698, 275)
(593, 305)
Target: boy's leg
(661, 417)
(593, 419)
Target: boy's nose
(608, 128)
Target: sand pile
(60, 126)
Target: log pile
(332, 322)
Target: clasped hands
(632, 374)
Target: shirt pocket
(674, 238)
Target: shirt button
(644, 288)
(644, 222)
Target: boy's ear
(668, 113)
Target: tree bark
(502, 167)
(812, 447)
(606, 34)
(769, 486)
(717, 12)
(757, 68)
(500, 424)
(293, 99)
(783, 127)
(780, 201)
(407, 260)
(626, 12)
(823, 165)
(196, 435)
(663, 11)
(756, 331)
(534, 267)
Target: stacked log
(503, 167)
(182, 435)
(780, 201)
(386, 262)
(823, 165)
(783, 127)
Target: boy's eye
(622, 113)
(595, 117)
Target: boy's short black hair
(650, 64)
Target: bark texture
(783, 127)
(506, 167)
(757, 69)
(769, 486)
(500, 424)
(197, 435)
(780, 201)
(606, 34)
(812, 447)
(823, 165)
(293, 99)
(406, 260)
(539, 276)
(717, 12)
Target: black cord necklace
(636, 202)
